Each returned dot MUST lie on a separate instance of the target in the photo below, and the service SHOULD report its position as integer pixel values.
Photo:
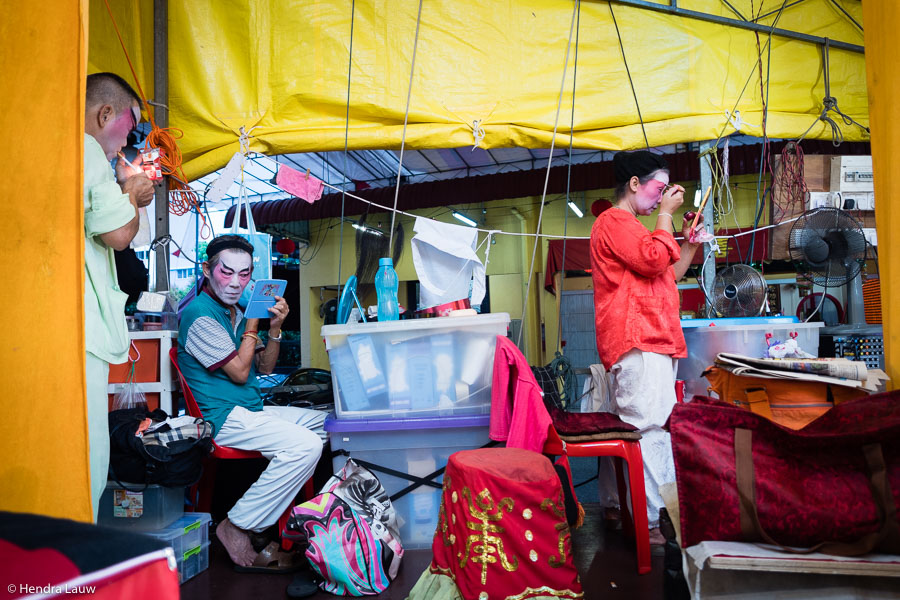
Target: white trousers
(643, 394)
(97, 375)
(291, 438)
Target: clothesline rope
(516, 233)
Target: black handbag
(159, 458)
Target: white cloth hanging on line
(445, 259)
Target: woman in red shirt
(636, 308)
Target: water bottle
(386, 285)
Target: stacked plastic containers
(189, 538)
(408, 394)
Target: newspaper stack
(837, 371)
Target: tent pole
(161, 116)
(673, 9)
(709, 266)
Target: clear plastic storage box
(415, 367)
(418, 447)
(149, 508)
(192, 562)
(705, 338)
(185, 534)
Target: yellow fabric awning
(280, 70)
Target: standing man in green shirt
(111, 200)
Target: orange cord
(181, 197)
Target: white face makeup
(230, 275)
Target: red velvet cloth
(636, 301)
(811, 484)
(502, 530)
(570, 423)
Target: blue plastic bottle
(386, 286)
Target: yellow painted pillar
(881, 21)
(43, 432)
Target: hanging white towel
(445, 261)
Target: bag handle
(758, 402)
(751, 528)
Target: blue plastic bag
(262, 246)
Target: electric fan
(738, 291)
(828, 247)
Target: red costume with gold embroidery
(502, 530)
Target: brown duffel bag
(789, 402)
(833, 486)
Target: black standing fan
(828, 247)
(738, 291)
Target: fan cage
(739, 291)
(827, 247)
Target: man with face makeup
(636, 308)
(112, 111)
(219, 353)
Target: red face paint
(649, 195)
(115, 135)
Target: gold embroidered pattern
(546, 591)
(562, 529)
(454, 497)
(482, 546)
(442, 526)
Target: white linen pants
(96, 373)
(643, 394)
(291, 438)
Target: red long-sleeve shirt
(636, 302)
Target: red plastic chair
(629, 452)
(205, 488)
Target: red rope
(181, 197)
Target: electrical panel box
(852, 174)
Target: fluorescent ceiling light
(575, 209)
(465, 219)
(365, 229)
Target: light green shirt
(106, 209)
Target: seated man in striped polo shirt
(219, 353)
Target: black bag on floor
(167, 456)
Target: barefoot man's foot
(236, 542)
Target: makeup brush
(700, 210)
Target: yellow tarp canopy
(280, 69)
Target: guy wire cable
(628, 71)
(562, 279)
(562, 87)
(412, 69)
(346, 136)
